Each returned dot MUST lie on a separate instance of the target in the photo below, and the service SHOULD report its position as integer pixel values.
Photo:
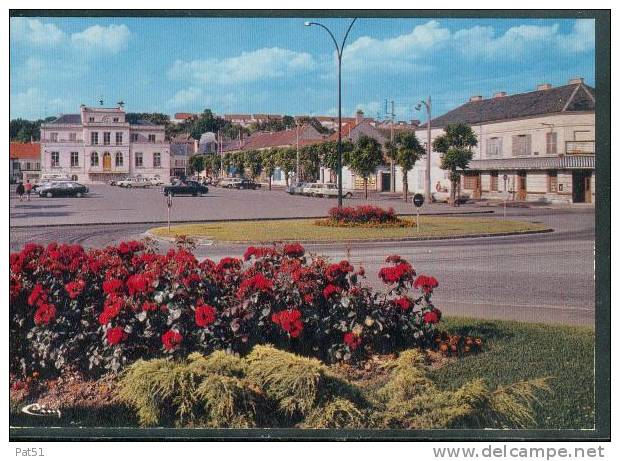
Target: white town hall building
(99, 145)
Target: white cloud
(397, 52)
(247, 67)
(34, 32)
(32, 102)
(112, 38)
(186, 97)
(518, 41)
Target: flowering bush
(365, 215)
(100, 309)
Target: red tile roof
(25, 150)
(184, 116)
(264, 140)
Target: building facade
(25, 161)
(98, 145)
(535, 146)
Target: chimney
(475, 98)
(359, 116)
(543, 86)
(499, 94)
(575, 81)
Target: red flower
(404, 303)
(191, 278)
(138, 283)
(149, 307)
(74, 289)
(330, 290)
(394, 259)
(257, 282)
(15, 287)
(228, 264)
(37, 295)
(361, 272)
(352, 340)
(309, 298)
(432, 316)
(111, 308)
(171, 339)
(294, 250)
(427, 283)
(205, 315)
(44, 314)
(345, 266)
(115, 335)
(258, 252)
(290, 321)
(112, 286)
(399, 273)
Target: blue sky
(276, 65)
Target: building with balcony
(98, 145)
(534, 146)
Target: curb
(319, 242)
(204, 221)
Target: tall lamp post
(427, 177)
(339, 50)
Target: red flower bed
(101, 309)
(364, 214)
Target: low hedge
(101, 309)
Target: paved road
(107, 204)
(540, 278)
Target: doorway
(386, 181)
(107, 161)
(582, 191)
(521, 186)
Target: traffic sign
(418, 200)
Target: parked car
(297, 189)
(47, 178)
(192, 188)
(247, 184)
(114, 182)
(156, 181)
(62, 189)
(445, 196)
(230, 183)
(318, 189)
(134, 182)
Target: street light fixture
(427, 177)
(339, 50)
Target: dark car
(246, 184)
(62, 189)
(187, 188)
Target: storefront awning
(585, 162)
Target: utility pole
(427, 177)
(297, 156)
(392, 163)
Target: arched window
(118, 159)
(94, 159)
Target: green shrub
(411, 400)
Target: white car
(134, 182)
(318, 189)
(230, 183)
(156, 181)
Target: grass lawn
(306, 229)
(516, 351)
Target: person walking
(28, 188)
(20, 191)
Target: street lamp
(427, 177)
(339, 50)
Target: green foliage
(253, 161)
(23, 130)
(405, 151)
(197, 163)
(411, 400)
(286, 160)
(456, 146)
(365, 158)
(200, 391)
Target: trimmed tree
(269, 162)
(253, 162)
(405, 151)
(367, 155)
(197, 163)
(456, 146)
(286, 160)
(328, 153)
